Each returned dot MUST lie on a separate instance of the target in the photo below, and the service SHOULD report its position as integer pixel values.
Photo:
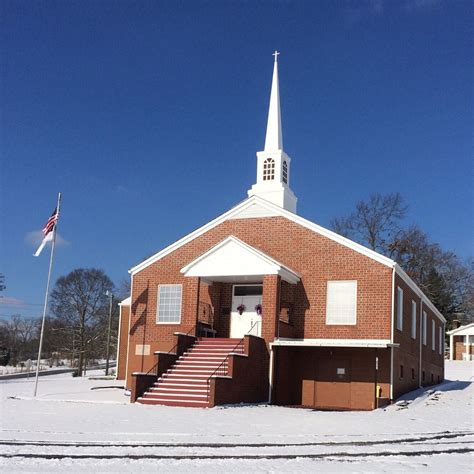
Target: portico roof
(234, 260)
(374, 343)
(467, 330)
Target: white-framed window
(341, 302)
(433, 335)
(399, 309)
(441, 340)
(285, 172)
(269, 169)
(425, 327)
(168, 309)
(413, 319)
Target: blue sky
(147, 115)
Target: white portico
(273, 164)
(234, 261)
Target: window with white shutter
(399, 309)
(433, 335)
(425, 327)
(413, 319)
(341, 305)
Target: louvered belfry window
(285, 172)
(269, 169)
(341, 304)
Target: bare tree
(375, 222)
(79, 302)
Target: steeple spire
(273, 164)
(274, 137)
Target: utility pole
(111, 297)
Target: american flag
(49, 226)
(48, 231)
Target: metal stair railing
(171, 351)
(223, 368)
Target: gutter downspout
(129, 326)
(421, 343)
(118, 340)
(391, 333)
(270, 377)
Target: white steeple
(273, 164)
(274, 137)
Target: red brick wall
(408, 354)
(460, 348)
(316, 258)
(297, 367)
(249, 376)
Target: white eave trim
(402, 274)
(373, 343)
(126, 302)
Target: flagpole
(46, 298)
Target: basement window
(169, 304)
(341, 304)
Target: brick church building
(262, 305)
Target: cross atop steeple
(276, 53)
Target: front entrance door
(249, 322)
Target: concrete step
(173, 403)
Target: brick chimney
(456, 323)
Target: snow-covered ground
(71, 427)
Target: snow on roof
(466, 330)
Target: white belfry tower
(273, 164)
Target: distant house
(262, 305)
(461, 343)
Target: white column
(451, 349)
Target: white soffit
(374, 343)
(254, 211)
(232, 257)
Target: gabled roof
(126, 302)
(232, 257)
(466, 330)
(261, 207)
(255, 206)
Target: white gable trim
(275, 210)
(256, 262)
(278, 211)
